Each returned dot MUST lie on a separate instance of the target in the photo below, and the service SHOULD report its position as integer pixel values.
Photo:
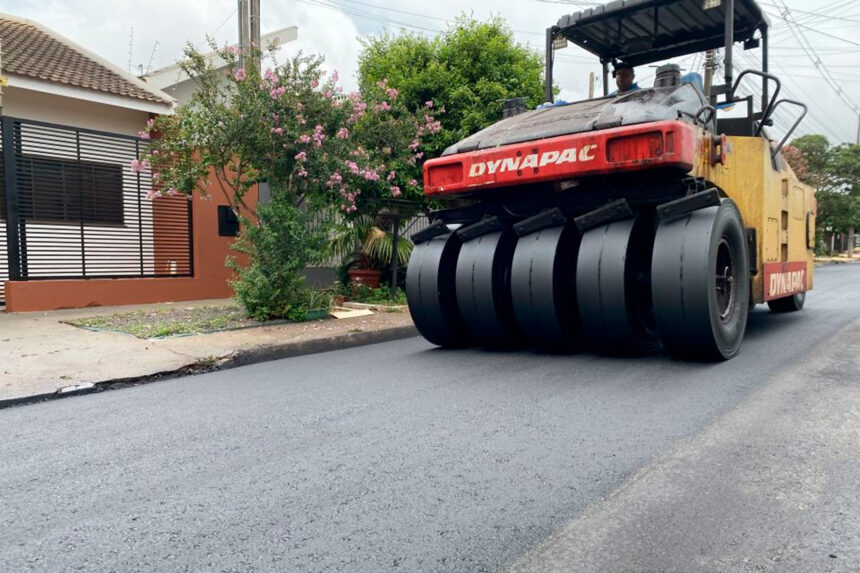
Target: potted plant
(367, 249)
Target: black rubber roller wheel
(430, 291)
(483, 289)
(787, 304)
(700, 283)
(543, 288)
(613, 286)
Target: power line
(816, 60)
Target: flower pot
(366, 277)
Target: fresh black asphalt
(396, 456)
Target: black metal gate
(71, 208)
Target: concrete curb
(243, 357)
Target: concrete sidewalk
(41, 357)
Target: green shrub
(381, 295)
(272, 285)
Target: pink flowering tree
(319, 150)
(293, 127)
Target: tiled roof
(36, 52)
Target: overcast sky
(333, 28)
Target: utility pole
(244, 10)
(254, 24)
(590, 85)
(249, 32)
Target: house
(76, 228)
(180, 86)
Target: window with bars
(70, 191)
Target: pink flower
(151, 194)
(414, 145)
(137, 165)
(382, 84)
(143, 134)
(391, 176)
(342, 133)
(301, 156)
(334, 179)
(413, 183)
(302, 173)
(304, 138)
(314, 83)
(150, 124)
(318, 135)
(335, 76)
(172, 192)
(382, 106)
(419, 155)
(395, 191)
(277, 131)
(391, 93)
(353, 167)
(240, 75)
(429, 103)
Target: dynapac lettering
(787, 283)
(569, 155)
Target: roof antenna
(130, 48)
(151, 57)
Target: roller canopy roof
(644, 31)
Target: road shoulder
(772, 485)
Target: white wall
(28, 104)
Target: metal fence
(71, 208)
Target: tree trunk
(851, 243)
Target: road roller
(648, 220)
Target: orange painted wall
(209, 280)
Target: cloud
(331, 34)
(103, 26)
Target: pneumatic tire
(483, 289)
(791, 303)
(700, 283)
(613, 286)
(430, 291)
(543, 288)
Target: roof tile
(30, 51)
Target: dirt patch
(172, 321)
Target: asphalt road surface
(404, 457)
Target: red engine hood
(666, 144)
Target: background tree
(834, 172)
(319, 150)
(466, 71)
